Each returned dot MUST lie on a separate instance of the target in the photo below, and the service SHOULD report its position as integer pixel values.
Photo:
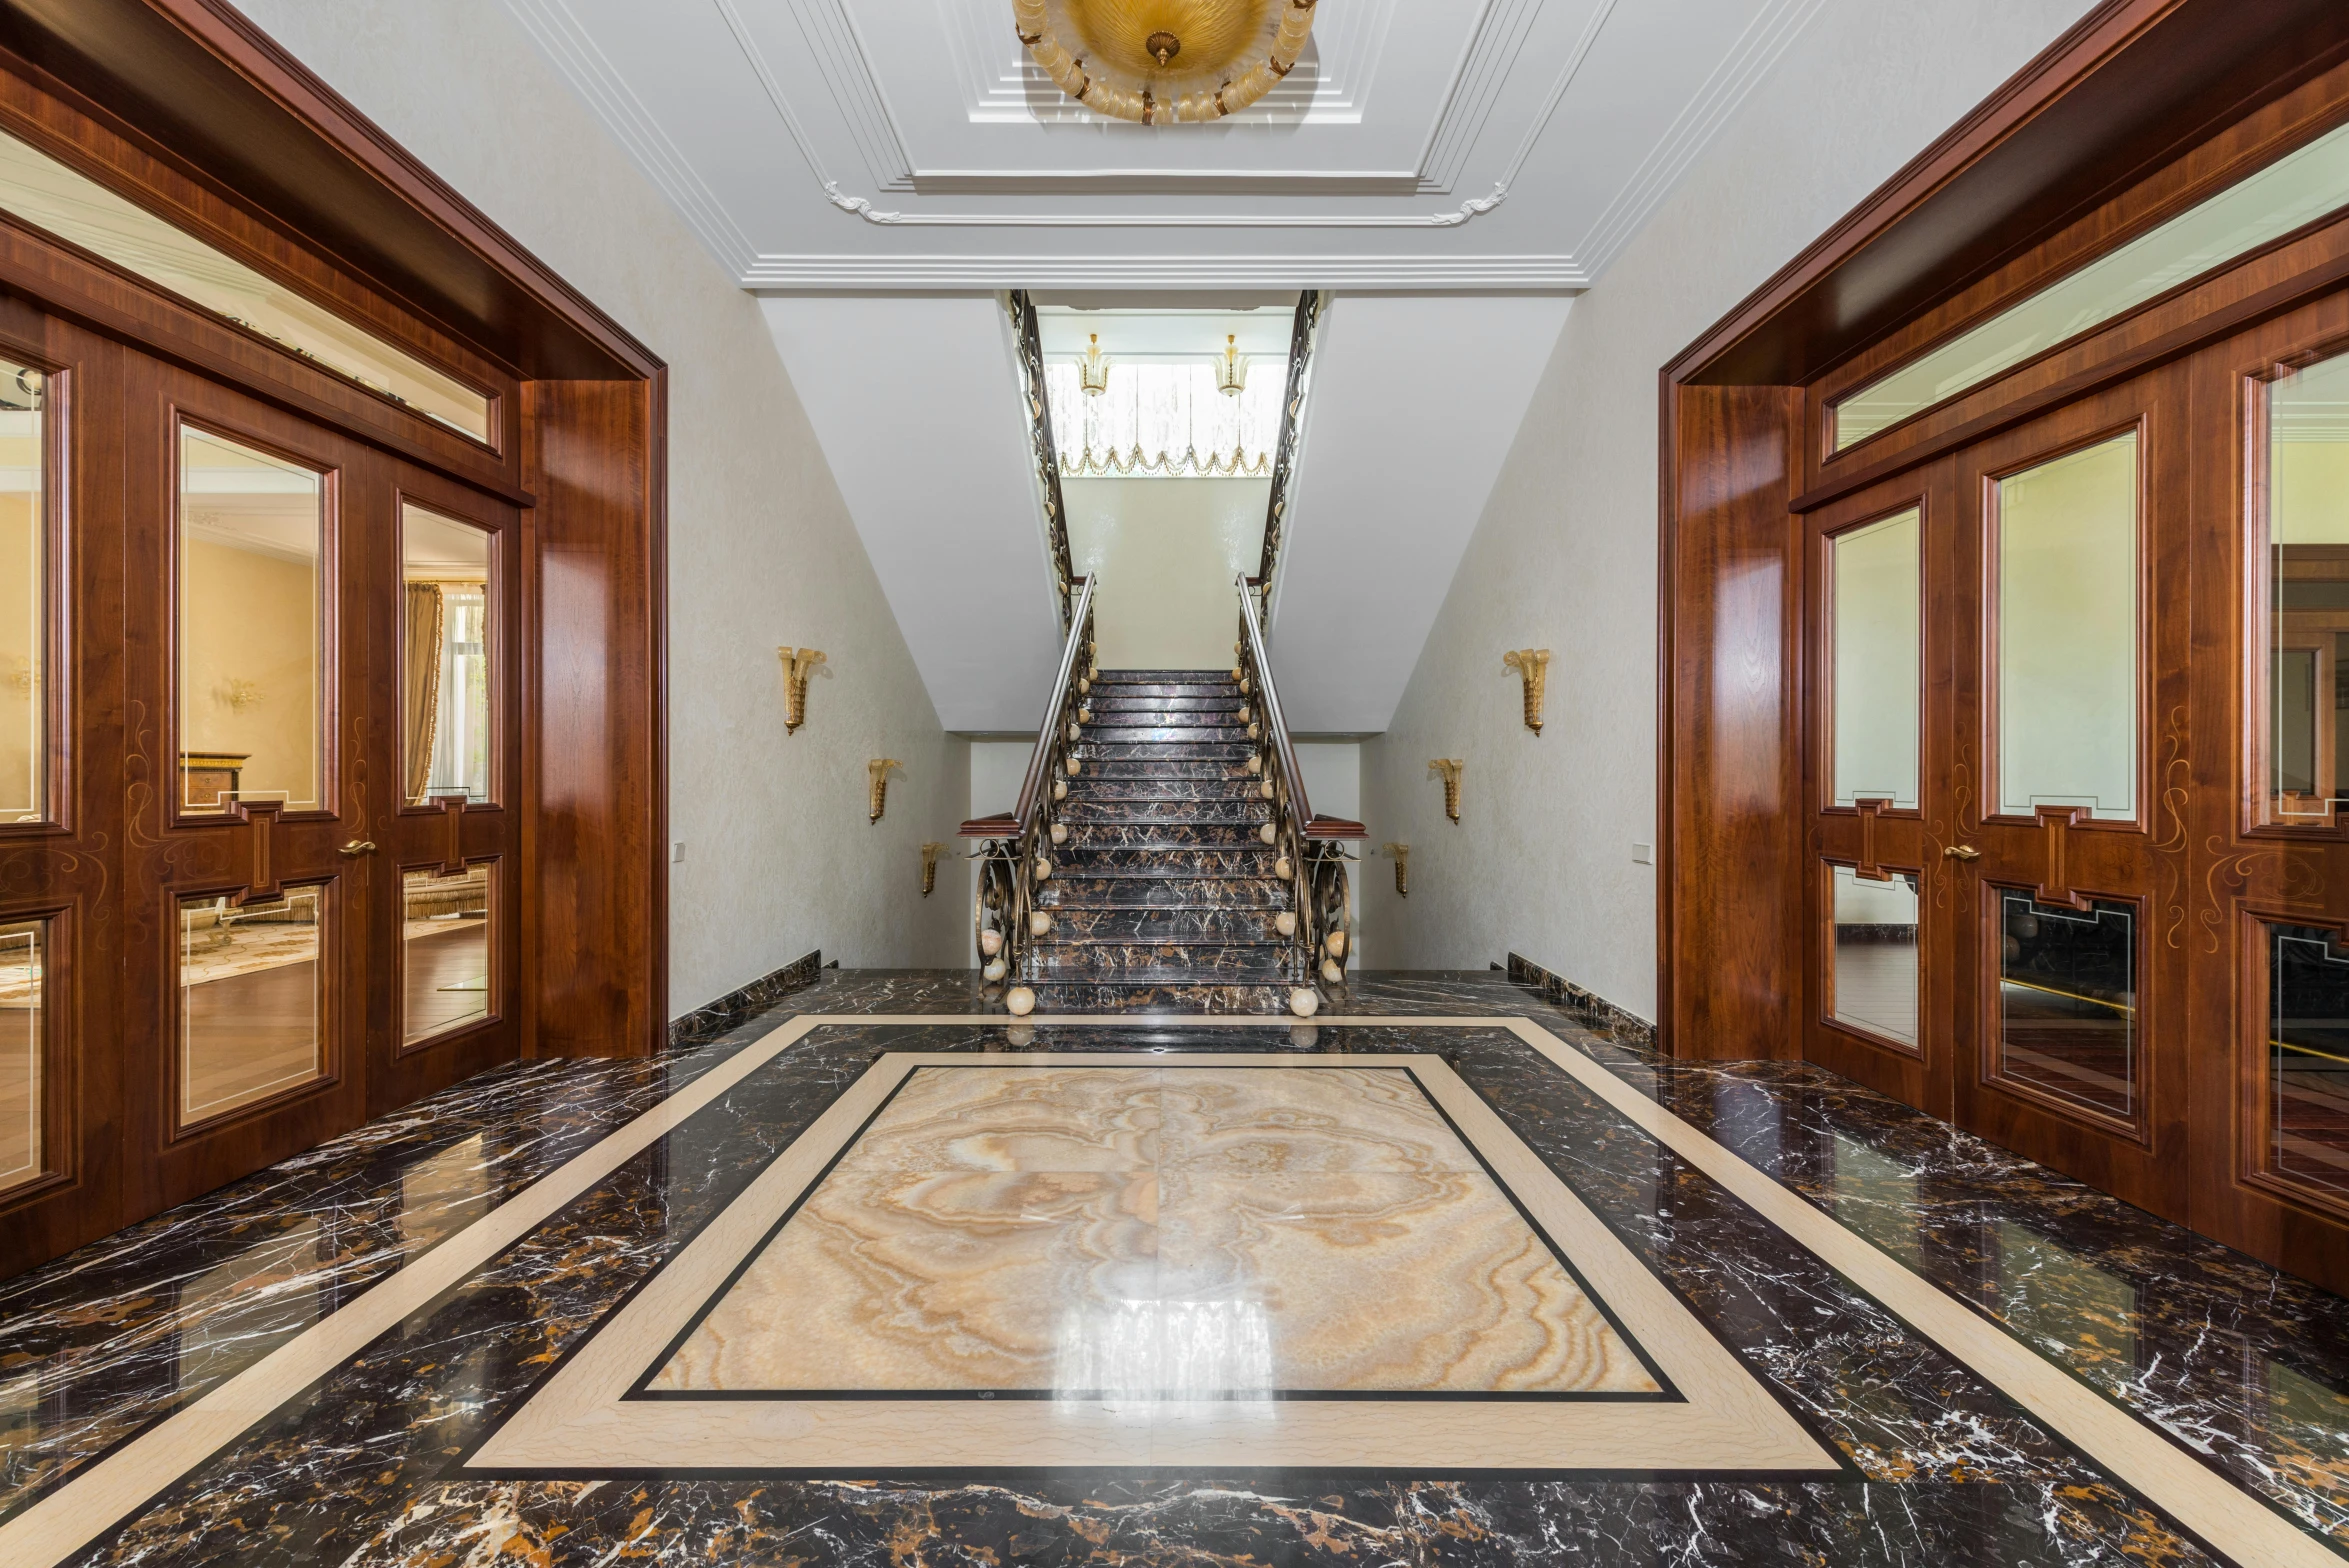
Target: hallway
(1812, 1321)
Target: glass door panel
(445, 952)
(1873, 575)
(24, 594)
(446, 650)
(2067, 1001)
(23, 955)
(2298, 738)
(2066, 615)
(2308, 1057)
(252, 700)
(1872, 978)
(252, 985)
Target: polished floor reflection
(377, 1455)
(1139, 1231)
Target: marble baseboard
(744, 1003)
(1601, 1016)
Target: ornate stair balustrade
(1312, 847)
(1016, 850)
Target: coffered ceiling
(903, 144)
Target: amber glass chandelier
(1153, 60)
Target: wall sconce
(1450, 768)
(1534, 665)
(877, 776)
(930, 854)
(798, 665)
(236, 696)
(1402, 854)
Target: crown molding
(1771, 33)
(581, 62)
(1403, 274)
(863, 208)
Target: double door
(2078, 706)
(256, 869)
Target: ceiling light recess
(1154, 60)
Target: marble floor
(1444, 1278)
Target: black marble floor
(2245, 1368)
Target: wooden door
(1885, 775)
(2069, 676)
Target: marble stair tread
(1125, 963)
(1177, 891)
(1123, 701)
(1064, 996)
(1142, 770)
(1110, 812)
(1122, 677)
(1098, 751)
(1189, 925)
(1163, 835)
(1102, 733)
(1076, 862)
(1098, 790)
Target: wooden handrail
(1047, 733)
(1276, 725)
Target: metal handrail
(1048, 735)
(1275, 724)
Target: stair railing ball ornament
(798, 665)
(1151, 61)
(1534, 665)
(1450, 768)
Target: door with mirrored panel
(1879, 785)
(2069, 863)
(252, 772)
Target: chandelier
(1093, 369)
(1153, 60)
(1231, 371)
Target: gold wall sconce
(798, 665)
(1402, 854)
(877, 776)
(1450, 768)
(236, 695)
(930, 854)
(1534, 665)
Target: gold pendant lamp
(1156, 60)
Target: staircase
(1164, 894)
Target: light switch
(677, 852)
(1641, 854)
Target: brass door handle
(359, 846)
(1962, 852)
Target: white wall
(779, 857)
(1166, 550)
(1564, 554)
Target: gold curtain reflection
(422, 697)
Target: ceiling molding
(1472, 208)
(584, 65)
(840, 53)
(1476, 83)
(1407, 274)
(1770, 34)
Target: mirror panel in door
(1873, 976)
(2300, 739)
(445, 951)
(24, 953)
(448, 717)
(252, 688)
(2067, 1001)
(2066, 616)
(252, 1000)
(1875, 587)
(2308, 1058)
(24, 583)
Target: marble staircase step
(1162, 835)
(1171, 996)
(1132, 770)
(1075, 861)
(1152, 788)
(1119, 701)
(1220, 677)
(1240, 813)
(1094, 750)
(1127, 963)
(1166, 890)
(1099, 733)
(1191, 926)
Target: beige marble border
(2206, 1502)
(581, 1424)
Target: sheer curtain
(1165, 420)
